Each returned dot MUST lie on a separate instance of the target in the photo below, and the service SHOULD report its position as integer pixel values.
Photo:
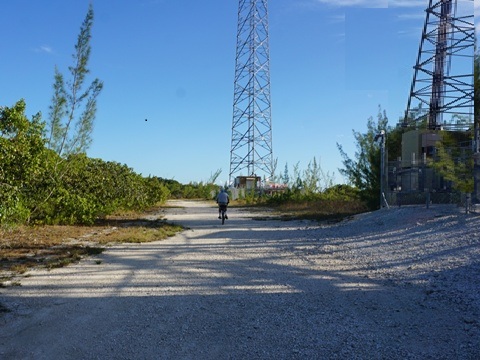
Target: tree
(315, 179)
(73, 108)
(214, 176)
(274, 177)
(312, 176)
(22, 146)
(454, 163)
(363, 171)
(71, 118)
(394, 142)
(286, 177)
(297, 184)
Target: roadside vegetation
(50, 246)
(332, 204)
(58, 205)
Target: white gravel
(401, 283)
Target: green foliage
(50, 179)
(192, 190)
(312, 180)
(174, 187)
(155, 190)
(21, 153)
(334, 202)
(71, 208)
(454, 163)
(70, 132)
(297, 184)
(363, 171)
(251, 197)
(13, 210)
(22, 145)
(36, 185)
(214, 176)
(286, 176)
(341, 192)
(197, 190)
(92, 188)
(394, 142)
(315, 179)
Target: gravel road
(402, 283)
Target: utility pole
(476, 129)
(382, 136)
(251, 146)
(476, 161)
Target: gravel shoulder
(402, 283)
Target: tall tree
(71, 118)
(74, 105)
(315, 180)
(22, 146)
(363, 171)
(286, 177)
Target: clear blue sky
(333, 62)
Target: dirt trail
(249, 289)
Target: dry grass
(24, 247)
(321, 210)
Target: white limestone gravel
(399, 283)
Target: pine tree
(73, 108)
(363, 171)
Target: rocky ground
(402, 283)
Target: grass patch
(321, 210)
(19, 268)
(137, 231)
(26, 247)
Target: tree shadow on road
(256, 290)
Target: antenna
(443, 73)
(251, 147)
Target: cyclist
(222, 201)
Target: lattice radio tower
(443, 76)
(251, 147)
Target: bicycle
(223, 212)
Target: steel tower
(443, 74)
(251, 147)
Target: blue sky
(332, 63)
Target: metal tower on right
(251, 147)
(443, 76)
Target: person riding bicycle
(222, 201)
